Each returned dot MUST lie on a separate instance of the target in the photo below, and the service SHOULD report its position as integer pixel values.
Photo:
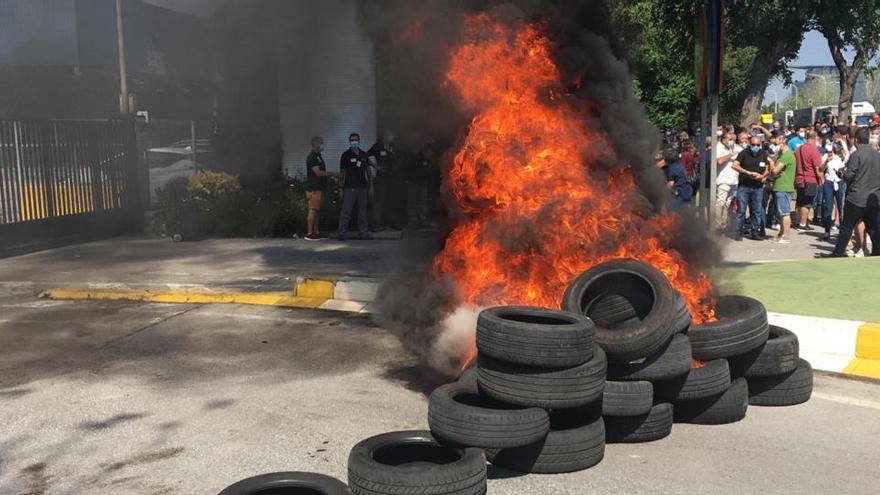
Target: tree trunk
(847, 92)
(762, 70)
(849, 75)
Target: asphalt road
(128, 398)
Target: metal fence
(59, 177)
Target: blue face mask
(755, 149)
(355, 145)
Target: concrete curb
(840, 346)
(348, 294)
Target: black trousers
(852, 215)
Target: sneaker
(783, 240)
(800, 228)
(836, 227)
(342, 237)
(826, 237)
(859, 254)
(738, 237)
(312, 237)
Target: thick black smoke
(413, 40)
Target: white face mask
(719, 133)
(802, 135)
(774, 148)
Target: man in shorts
(316, 184)
(783, 187)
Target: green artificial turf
(846, 289)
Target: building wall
(37, 32)
(157, 40)
(327, 82)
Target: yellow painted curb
(282, 299)
(319, 289)
(867, 368)
(868, 341)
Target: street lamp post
(796, 96)
(124, 106)
(775, 100)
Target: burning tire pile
(621, 363)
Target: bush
(276, 208)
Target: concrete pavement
(131, 398)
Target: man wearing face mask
(386, 204)
(725, 184)
(355, 185)
(783, 187)
(753, 166)
(799, 140)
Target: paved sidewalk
(804, 246)
(250, 265)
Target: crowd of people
(385, 188)
(786, 178)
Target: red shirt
(808, 162)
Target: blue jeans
(832, 197)
(753, 197)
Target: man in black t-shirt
(753, 165)
(316, 184)
(417, 173)
(385, 199)
(355, 186)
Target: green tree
(654, 35)
(850, 24)
(658, 41)
(815, 94)
(775, 28)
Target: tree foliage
(762, 37)
(850, 24)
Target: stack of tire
(663, 370)
(620, 363)
(533, 402)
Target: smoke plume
(413, 42)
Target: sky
(814, 51)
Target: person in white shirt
(834, 188)
(726, 183)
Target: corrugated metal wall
(327, 83)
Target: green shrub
(276, 208)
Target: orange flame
(530, 160)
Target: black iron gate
(65, 181)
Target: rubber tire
(627, 398)
(728, 407)
(712, 379)
(784, 390)
(630, 339)
(672, 361)
(649, 427)
(550, 388)
(369, 476)
(469, 374)
(503, 335)
(482, 422)
(312, 482)
(779, 355)
(741, 327)
(570, 446)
